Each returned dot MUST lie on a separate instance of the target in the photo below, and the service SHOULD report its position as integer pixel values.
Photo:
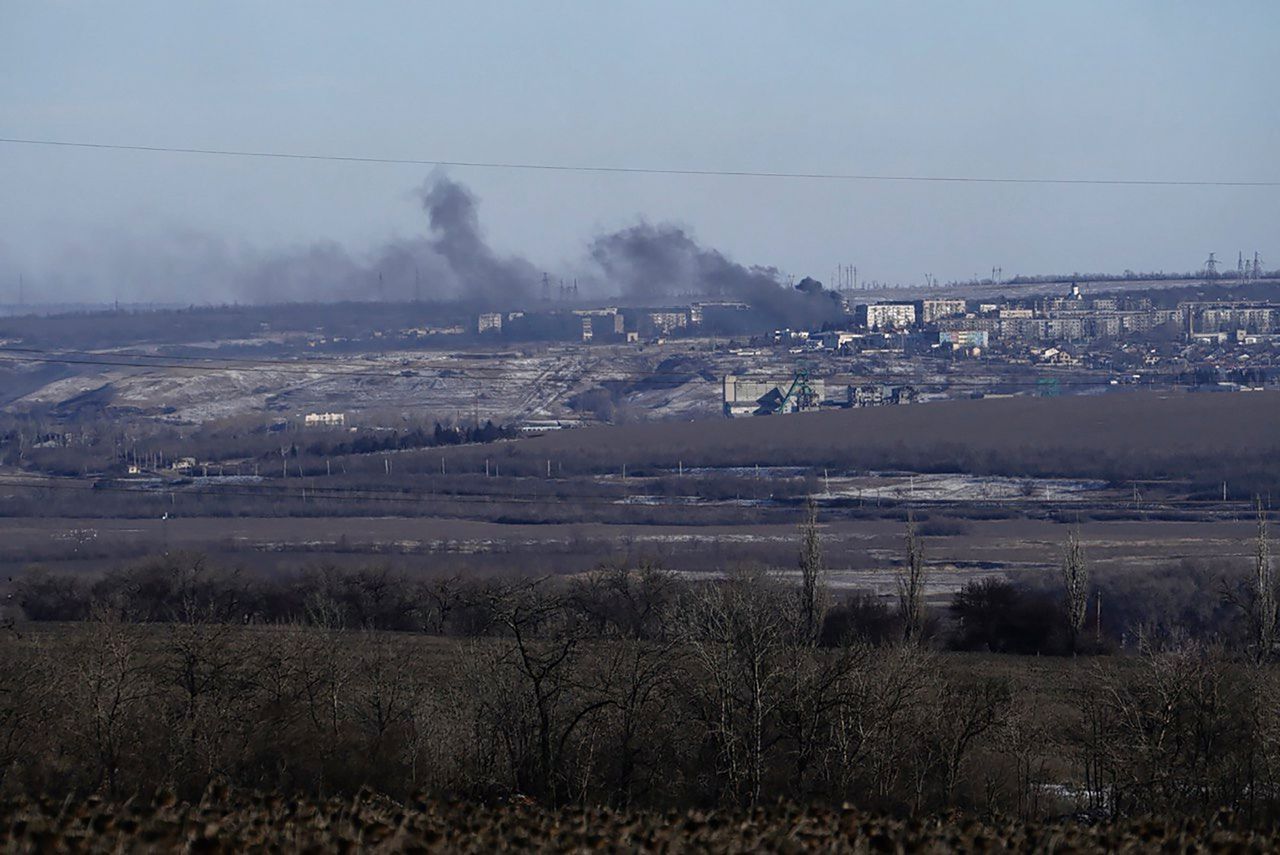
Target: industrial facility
(758, 396)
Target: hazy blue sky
(1162, 89)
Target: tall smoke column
(451, 262)
(482, 277)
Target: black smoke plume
(655, 264)
(479, 274)
(449, 261)
(452, 263)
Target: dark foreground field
(860, 554)
(1117, 437)
(238, 823)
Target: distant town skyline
(1146, 91)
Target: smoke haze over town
(1081, 92)
(709, 426)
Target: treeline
(41, 443)
(174, 327)
(621, 687)
(371, 443)
(634, 687)
(1117, 438)
(1211, 375)
(1024, 615)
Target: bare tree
(969, 712)
(1257, 599)
(634, 676)
(617, 601)
(631, 671)
(112, 688)
(324, 668)
(736, 632)
(814, 599)
(1264, 587)
(437, 599)
(29, 694)
(871, 729)
(818, 684)
(1173, 739)
(911, 581)
(1027, 740)
(1075, 582)
(388, 690)
(198, 668)
(543, 652)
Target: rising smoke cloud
(453, 262)
(644, 264)
(456, 238)
(655, 263)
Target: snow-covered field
(505, 387)
(955, 487)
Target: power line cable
(638, 170)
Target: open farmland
(860, 554)
(1118, 437)
(995, 485)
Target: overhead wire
(636, 170)
(655, 380)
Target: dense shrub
(995, 615)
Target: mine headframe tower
(800, 396)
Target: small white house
(324, 419)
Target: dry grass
(225, 822)
(1130, 435)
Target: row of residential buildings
(610, 323)
(960, 323)
(1070, 318)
